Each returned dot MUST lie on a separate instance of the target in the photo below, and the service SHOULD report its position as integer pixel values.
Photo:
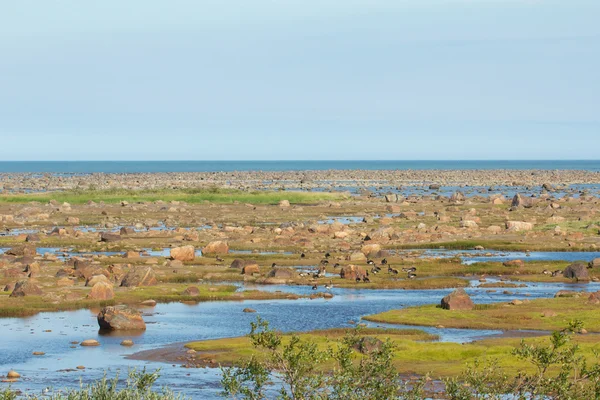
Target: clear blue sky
(299, 79)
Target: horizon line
(315, 160)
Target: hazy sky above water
(299, 79)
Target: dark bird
(324, 262)
(329, 285)
(358, 279)
(384, 262)
(394, 271)
(336, 265)
(273, 265)
(411, 275)
(366, 279)
(370, 262)
(411, 269)
(314, 287)
(219, 259)
(327, 255)
(302, 255)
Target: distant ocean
(87, 167)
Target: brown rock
(139, 276)
(102, 291)
(457, 300)
(120, 318)
(183, 253)
(514, 263)
(89, 343)
(132, 254)
(26, 288)
(191, 291)
(217, 247)
(251, 269)
(368, 344)
(370, 248)
(110, 237)
(63, 282)
(577, 271)
(352, 272)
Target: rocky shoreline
(307, 180)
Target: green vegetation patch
(540, 314)
(213, 195)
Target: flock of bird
(375, 269)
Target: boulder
(522, 201)
(468, 224)
(358, 256)
(22, 251)
(26, 288)
(183, 253)
(368, 345)
(514, 263)
(140, 276)
(217, 247)
(352, 272)
(595, 263)
(126, 231)
(32, 237)
(284, 203)
(517, 226)
(381, 234)
(191, 291)
(131, 254)
(109, 237)
(281, 275)
(239, 263)
(92, 280)
(457, 197)
(370, 249)
(391, 198)
(457, 300)
(63, 282)
(577, 271)
(90, 343)
(251, 269)
(120, 318)
(102, 291)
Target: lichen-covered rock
(120, 318)
(457, 300)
